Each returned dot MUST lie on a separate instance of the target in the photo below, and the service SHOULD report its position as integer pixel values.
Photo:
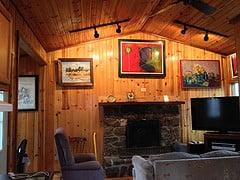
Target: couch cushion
(172, 156)
(219, 153)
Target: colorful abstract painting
(200, 73)
(141, 58)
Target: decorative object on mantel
(234, 71)
(131, 96)
(76, 72)
(111, 98)
(165, 98)
(141, 58)
(200, 73)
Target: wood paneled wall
(29, 123)
(77, 109)
(27, 34)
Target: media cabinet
(227, 141)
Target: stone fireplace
(137, 128)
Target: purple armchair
(83, 166)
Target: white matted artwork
(75, 72)
(27, 93)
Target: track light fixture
(96, 35)
(206, 36)
(184, 30)
(118, 30)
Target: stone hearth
(117, 157)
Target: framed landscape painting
(234, 70)
(200, 73)
(27, 93)
(141, 58)
(75, 72)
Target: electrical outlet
(143, 89)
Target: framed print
(27, 93)
(141, 58)
(234, 68)
(75, 72)
(200, 73)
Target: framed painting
(27, 93)
(200, 73)
(75, 72)
(141, 58)
(234, 68)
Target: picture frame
(141, 58)
(200, 74)
(234, 64)
(28, 93)
(77, 72)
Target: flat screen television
(215, 114)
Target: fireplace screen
(144, 133)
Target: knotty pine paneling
(29, 123)
(19, 24)
(77, 109)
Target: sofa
(215, 165)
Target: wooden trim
(235, 20)
(30, 51)
(141, 103)
(8, 17)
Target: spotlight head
(184, 30)
(118, 30)
(206, 37)
(96, 35)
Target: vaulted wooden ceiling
(51, 21)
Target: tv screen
(217, 114)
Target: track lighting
(183, 31)
(187, 26)
(118, 30)
(206, 36)
(96, 35)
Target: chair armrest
(83, 157)
(143, 169)
(89, 165)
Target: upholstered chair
(82, 166)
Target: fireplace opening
(143, 133)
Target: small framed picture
(75, 72)
(27, 93)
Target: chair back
(21, 153)
(63, 148)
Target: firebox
(143, 133)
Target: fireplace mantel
(102, 104)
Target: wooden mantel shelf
(141, 103)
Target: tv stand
(227, 141)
